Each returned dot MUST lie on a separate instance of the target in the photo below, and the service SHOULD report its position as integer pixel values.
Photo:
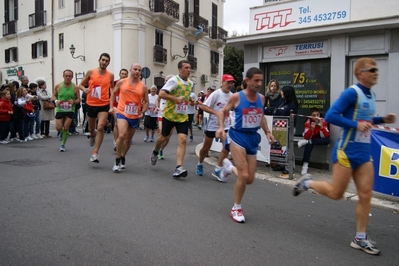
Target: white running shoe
(33, 136)
(94, 158)
(302, 142)
(304, 170)
(237, 216)
(116, 168)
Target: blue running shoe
(200, 170)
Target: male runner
(100, 82)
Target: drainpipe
(52, 46)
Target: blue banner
(385, 152)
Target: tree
(233, 62)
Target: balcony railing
(191, 20)
(37, 19)
(83, 7)
(193, 61)
(168, 7)
(160, 54)
(218, 33)
(214, 68)
(9, 28)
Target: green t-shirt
(65, 94)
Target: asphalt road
(60, 209)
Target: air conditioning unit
(205, 78)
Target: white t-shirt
(216, 101)
(191, 108)
(151, 105)
(162, 103)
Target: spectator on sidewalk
(45, 115)
(273, 97)
(315, 133)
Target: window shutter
(15, 54)
(7, 55)
(15, 10)
(6, 15)
(34, 52)
(45, 49)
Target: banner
(385, 153)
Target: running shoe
(152, 139)
(3, 142)
(180, 172)
(191, 138)
(200, 170)
(94, 158)
(160, 155)
(216, 173)
(146, 139)
(366, 245)
(116, 168)
(33, 136)
(300, 186)
(237, 216)
(154, 158)
(62, 148)
(92, 140)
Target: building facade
(37, 37)
(312, 45)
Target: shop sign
(297, 15)
(296, 50)
(15, 72)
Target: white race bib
(251, 117)
(96, 92)
(181, 108)
(65, 106)
(131, 108)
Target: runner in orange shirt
(100, 82)
(132, 104)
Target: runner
(248, 107)
(212, 105)
(354, 112)
(66, 96)
(100, 82)
(133, 103)
(150, 118)
(176, 92)
(123, 73)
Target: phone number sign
(298, 14)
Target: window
(11, 54)
(159, 38)
(190, 48)
(61, 4)
(39, 49)
(83, 7)
(10, 10)
(214, 63)
(61, 41)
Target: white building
(37, 36)
(312, 45)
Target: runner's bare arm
(84, 81)
(113, 92)
(145, 102)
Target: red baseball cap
(228, 77)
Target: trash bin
(385, 152)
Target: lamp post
(72, 51)
(185, 51)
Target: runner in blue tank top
(248, 106)
(354, 113)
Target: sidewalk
(266, 173)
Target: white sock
(236, 206)
(305, 164)
(361, 235)
(199, 163)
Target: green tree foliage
(233, 63)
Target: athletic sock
(361, 235)
(236, 206)
(64, 136)
(117, 161)
(123, 159)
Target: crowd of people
(177, 108)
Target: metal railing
(193, 61)
(9, 28)
(169, 7)
(38, 19)
(160, 54)
(193, 20)
(214, 68)
(218, 33)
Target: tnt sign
(389, 162)
(270, 20)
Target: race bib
(251, 117)
(151, 110)
(65, 106)
(181, 108)
(131, 108)
(96, 92)
(227, 120)
(363, 137)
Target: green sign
(15, 72)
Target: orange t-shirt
(130, 99)
(99, 88)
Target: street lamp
(72, 51)
(185, 51)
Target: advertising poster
(278, 149)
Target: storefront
(312, 45)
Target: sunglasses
(371, 70)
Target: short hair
(40, 83)
(67, 70)
(361, 64)
(123, 69)
(180, 64)
(32, 85)
(105, 55)
(252, 72)
(23, 78)
(314, 109)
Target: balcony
(165, 11)
(193, 61)
(83, 7)
(160, 55)
(214, 69)
(37, 19)
(9, 28)
(195, 25)
(218, 36)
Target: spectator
(316, 133)
(45, 115)
(6, 112)
(36, 107)
(273, 97)
(19, 114)
(29, 119)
